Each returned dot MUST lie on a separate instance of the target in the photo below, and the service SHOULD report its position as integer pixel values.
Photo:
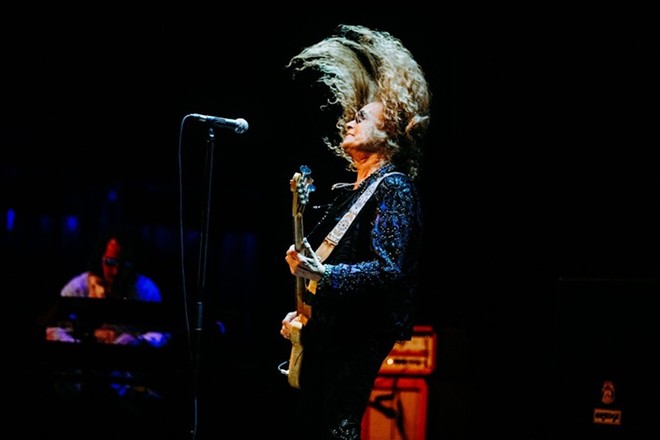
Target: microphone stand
(203, 251)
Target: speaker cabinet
(397, 409)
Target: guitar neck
(301, 284)
(298, 234)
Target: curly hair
(360, 65)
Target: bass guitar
(301, 186)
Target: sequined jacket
(370, 280)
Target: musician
(112, 276)
(362, 291)
(96, 398)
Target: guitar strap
(331, 240)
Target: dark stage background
(539, 166)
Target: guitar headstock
(301, 185)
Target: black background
(539, 165)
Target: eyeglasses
(360, 116)
(112, 262)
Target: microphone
(239, 125)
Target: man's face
(113, 264)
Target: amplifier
(415, 357)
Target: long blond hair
(360, 65)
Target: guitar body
(295, 359)
(301, 186)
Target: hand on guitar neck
(305, 264)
